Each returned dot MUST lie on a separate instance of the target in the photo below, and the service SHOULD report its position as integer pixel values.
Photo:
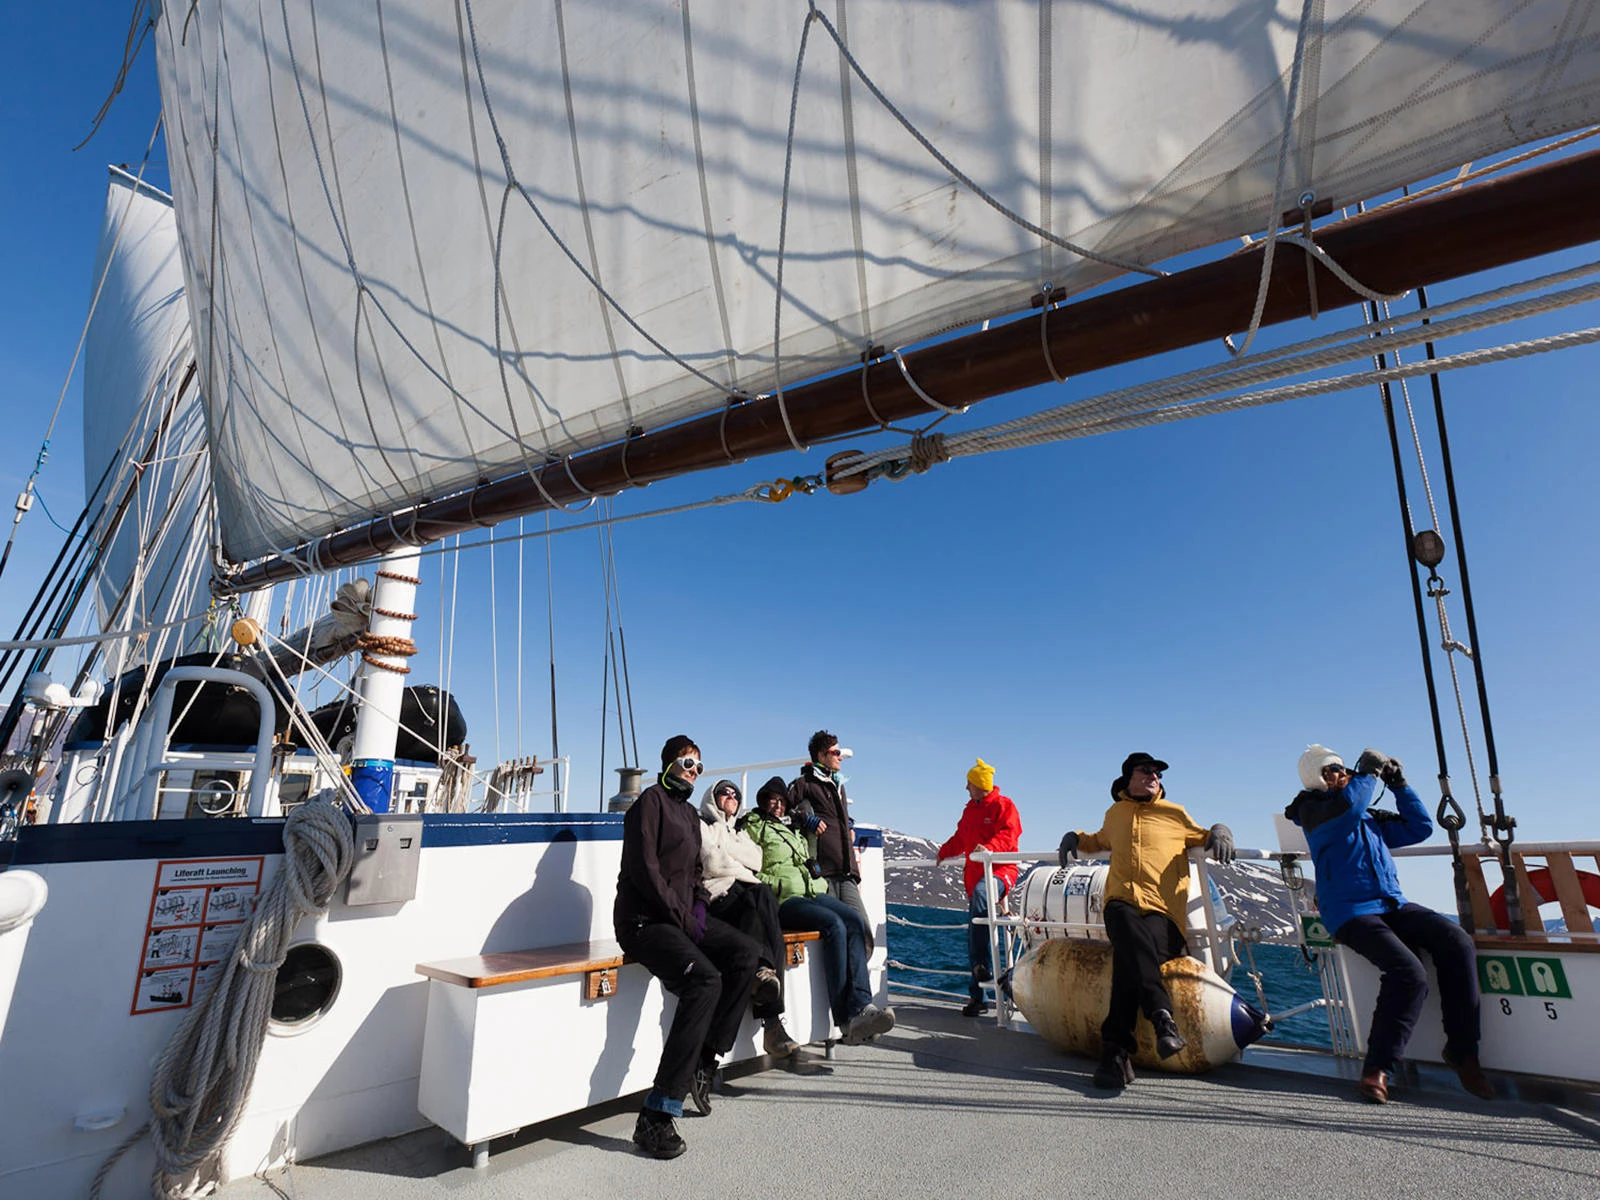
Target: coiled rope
(198, 1092)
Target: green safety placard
(1316, 933)
(1514, 975)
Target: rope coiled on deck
(198, 1092)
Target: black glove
(1393, 776)
(1069, 846)
(1220, 842)
(1372, 762)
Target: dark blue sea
(1287, 979)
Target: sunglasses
(832, 752)
(689, 763)
(1154, 774)
(725, 793)
(1329, 772)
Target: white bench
(517, 1038)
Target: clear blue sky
(1217, 592)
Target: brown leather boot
(1375, 1086)
(1470, 1072)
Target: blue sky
(1217, 592)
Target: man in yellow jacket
(1146, 900)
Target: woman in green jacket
(804, 903)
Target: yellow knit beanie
(982, 776)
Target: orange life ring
(1544, 883)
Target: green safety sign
(1514, 975)
(1316, 933)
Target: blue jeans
(978, 935)
(844, 949)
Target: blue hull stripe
(111, 841)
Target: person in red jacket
(989, 822)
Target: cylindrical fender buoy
(1063, 987)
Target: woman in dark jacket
(662, 923)
(804, 903)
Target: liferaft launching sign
(197, 908)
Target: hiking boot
(767, 989)
(656, 1135)
(975, 1008)
(867, 1024)
(1115, 1069)
(1375, 1085)
(1470, 1072)
(775, 1040)
(1168, 1040)
(700, 1090)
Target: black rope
(1463, 900)
(1503, 826)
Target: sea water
(1287, 978)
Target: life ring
(1545, 885)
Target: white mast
(384, 651)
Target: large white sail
(383, 314)
(136, 357)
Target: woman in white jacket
(729, 860)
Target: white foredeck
(942, 1099)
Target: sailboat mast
(1394, 249)
(384, 651)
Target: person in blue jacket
(1358, 893)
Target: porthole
(305, 987)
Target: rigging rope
(94, 301)
(1195, 393)
(203, 1078)
(894, 920)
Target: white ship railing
(1005, 935)
(1558, 880)
(153, 757)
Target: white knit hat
(1311, 763)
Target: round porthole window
(305, 987)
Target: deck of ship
(943, 1099)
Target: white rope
(927, 970)
(91, 638)
(1275, 214)
(894, 920)
(203, 1078)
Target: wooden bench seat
(549, 962)
(510, 1042)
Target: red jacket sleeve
(962, 841)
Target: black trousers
(712, 983)
(1390, 941)
(1140, 942)
(752, 909)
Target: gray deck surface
(928, 1107)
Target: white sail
(136, 355)
(349, 227)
